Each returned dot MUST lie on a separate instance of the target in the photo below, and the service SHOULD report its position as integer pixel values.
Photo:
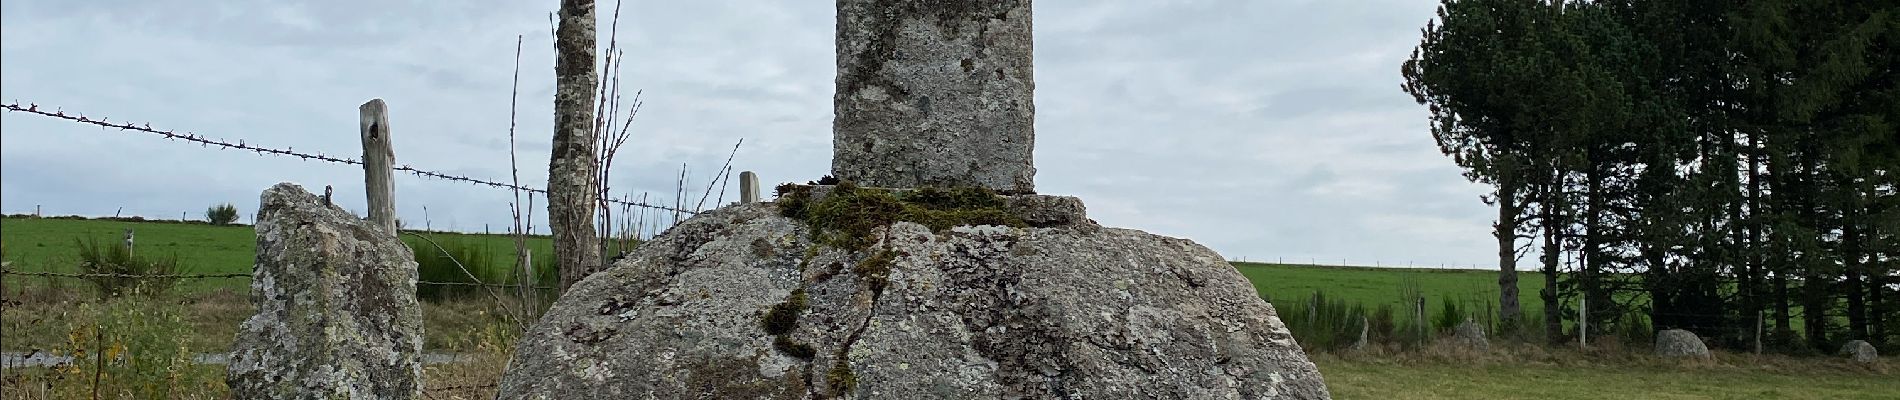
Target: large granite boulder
(337, 316)
(744, 302)
(1677, 343)
(1860, 350)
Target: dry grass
(1606, 370)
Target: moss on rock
(848, 215)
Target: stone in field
(337, 316)
(1677, 343)
(745, 303)
(1860, 350)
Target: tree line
(1726, 167)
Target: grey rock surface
(934, 93)
(1860, 351)
(740, 303)
(337, 316)
(1677, 343)
(1471, 334)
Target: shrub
(1449, 316)
(117, 259)
(492, 265)
(135, 349)
(222, 214)
(1323, 324)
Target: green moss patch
(847, 216)
(783, 317)
(840, 377)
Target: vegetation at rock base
(847, 216)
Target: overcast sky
(1262, 129)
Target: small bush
(118, 259)
(135, 349)
(222, 214)
(1449, 316)
(1323, 324)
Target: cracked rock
(1060, 311)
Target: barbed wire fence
(242, 145)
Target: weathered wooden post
(378, 160)
(748, 187)
(128, 241)
(1583, 322)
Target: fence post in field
(1422, 323)
(378, 160)
(748, 187)
(128, 241)
(1758, 315)
(1583, 322)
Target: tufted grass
(1600, 374)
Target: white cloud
(1259, 128)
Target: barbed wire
(218, 276)
(208, 142)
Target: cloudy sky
(1263, 129)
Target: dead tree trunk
(571, 185)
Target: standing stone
(934, 93)
(748, 187)
(1677, 343)
(337, 316)
(1860, 350)
(1470, 334)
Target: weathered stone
(1860, 351)
(1471, 334)
(337, 316)
(1365, 340)
(934, 93)
(1677, 343)
(742, 303)
(748, 187)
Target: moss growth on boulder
(848, 215)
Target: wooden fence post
(378, 160)
(1583, 322)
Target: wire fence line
(82, 275)
(241, 145)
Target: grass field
(214, 307)
(50, 245)
(1592, 377)
(1374, 286)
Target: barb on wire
(205, 141)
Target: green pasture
(51, 245)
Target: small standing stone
(1677, 343)
(1470, 334)
(1860, 351)
(337, 316)
(748, 187)
(934, 93)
